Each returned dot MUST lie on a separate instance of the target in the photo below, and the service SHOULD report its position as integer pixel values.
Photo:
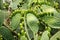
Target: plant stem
(26, 27)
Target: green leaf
(6, 34)
(1, 4)
(24, 6)
(3, 15)
(32, 22)
(51, 17)
(14, 4)
(35, 1)
(15, 21)
(41, 1)
(46, 8)
(31, 1)
(1, 37)
(23, 38)
(56, 36)
(35, 36)
(52, 21)
(45, 35)
(1, 18)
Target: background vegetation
(29, 20)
